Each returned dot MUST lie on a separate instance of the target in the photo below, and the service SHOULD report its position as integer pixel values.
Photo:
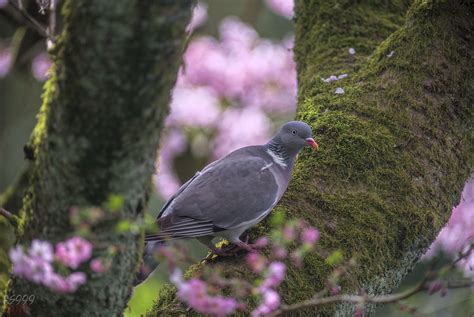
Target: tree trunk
(395, 149)
(97, 134)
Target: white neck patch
(276, 158)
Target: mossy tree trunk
(97, 134)
(395, 149)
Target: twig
(10, 217)
(51, 30)
(6, 214)
(358, 299)
(32, 22)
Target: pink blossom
(211, 65)
(185, 111)
(297, 258)
(73, 252)
(40, 66)
(20, 261)
(97, 266)
(198, 18)
(237, 36)
(310, 235)
(57, 283)
(65, 285)
(3, 3)
(194, 293)
(242, 66)
(282, 7)
(38, 271)
(76, 279)
(6, 60)
(36, 266)
(176, 277)
(237, 81)
(167, 183)
(261, 242)
(173, 144)
(275, 275)
(288, 233)
(256, 262)
(270, 302)
(266, 86)
(238, 128)
(334, 290)
(42, 250)
(279, 252)
(459, 232)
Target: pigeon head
(291, 138)
(296, 135)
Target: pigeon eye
(293, 132)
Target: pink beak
(312, 143)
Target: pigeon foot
(229, 250)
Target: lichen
(395, 149)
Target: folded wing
(226, 194)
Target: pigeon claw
(231, 250)
(228, 250)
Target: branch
(357, 299)
(377, 299)
(9, 216)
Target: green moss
(387, 173)
(325, 30)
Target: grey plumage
(233, 193)
(235, 190)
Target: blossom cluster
(459, 232)
(270, 297)
(195, 293)
(40, 64)
(282, 7)
(37, 263)
(56, 266)
(6, 59)
(228, 93)
(290, 242)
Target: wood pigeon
(232, 194)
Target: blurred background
(238, 71)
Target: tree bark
(395, 149)
(97, 134)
